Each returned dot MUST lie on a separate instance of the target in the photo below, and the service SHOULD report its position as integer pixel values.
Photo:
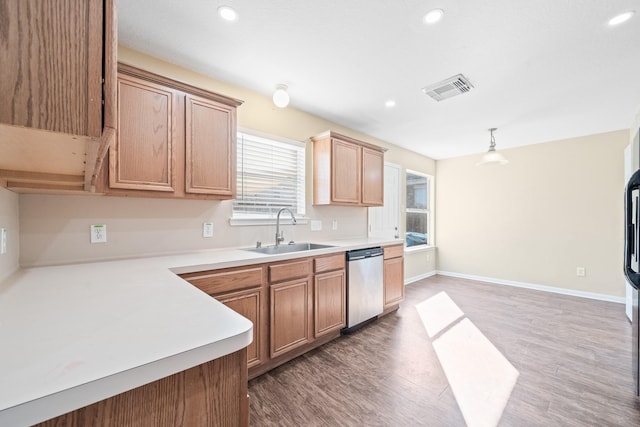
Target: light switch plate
(334, 224)
(207, 229)
(316, 225)
(3, 241)
(99, 233)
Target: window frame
(428, 211)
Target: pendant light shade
(492, 157)
(281, 96)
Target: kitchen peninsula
(97, 330)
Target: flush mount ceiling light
(492, 157)
(433, 16)
(619, 19)
(281, 96)
(227, 13)
(390, 103)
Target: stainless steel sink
(286, 248)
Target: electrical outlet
(580, 271)
(3, 241)
(99, 233)
(334, 225)
(316, 225)
(207, 229)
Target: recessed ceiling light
(390, 103)
(227, 13)
(619, 19)
(433, 16)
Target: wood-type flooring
(572, 356)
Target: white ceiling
(542, 70)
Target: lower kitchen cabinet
(290, 325)
(393, 276)
(248, 303)
(242, 289)
(329, 302)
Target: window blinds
(270, 176)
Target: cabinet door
(290, 316)
(247, 303)
(345, 172)
(393, 281)
(329, 302)
(210, 147)
(372, 177)
(142, 156)
(51, 70)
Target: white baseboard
(563, 291)
(420, 277)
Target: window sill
(265, 221)
(419, 248)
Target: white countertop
(72, 335)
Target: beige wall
(555, 207)
(150, 226)
(9, 219)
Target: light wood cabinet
(173, 140)
(290, 325)
(57, 85)
(393, 276)
(142, 156)
(242, 289)
(347, 171)
(211, 394)
(210, 147)
(330, 290)
(295, 305)
(291, 306)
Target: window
(270, 176)
(417, 212)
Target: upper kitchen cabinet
(347, 171)
(173, 140)
(57, 84)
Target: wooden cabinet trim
(221, 281)
(183, 87)
(289, 270)
(330, 262)
(394, 251)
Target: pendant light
(492, 157)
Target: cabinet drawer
(394, 251)
(289, 270)
(225, 280)
(328, 263)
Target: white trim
(420, 277)
(418, 248)
(263, 135)
(265, 221)
(544, 288)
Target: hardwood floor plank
(573, 356)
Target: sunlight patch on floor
(438, 312)
(480, 377)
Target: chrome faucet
(279, 234)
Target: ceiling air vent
(448, 88)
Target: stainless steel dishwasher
(365, 291)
